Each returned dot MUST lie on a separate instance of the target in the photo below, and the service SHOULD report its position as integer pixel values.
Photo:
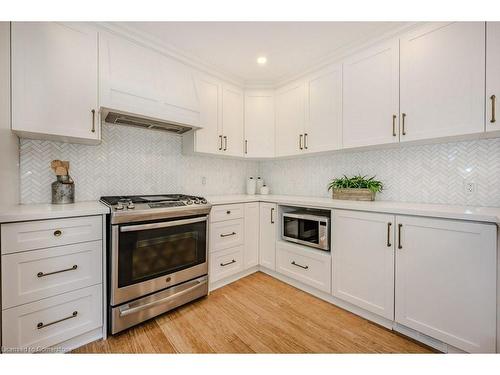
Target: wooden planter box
(353, 194)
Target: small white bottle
(259, 184)
(251, 186)
(264, 190)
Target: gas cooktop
(131, 208)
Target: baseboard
(231, 279)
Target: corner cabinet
(492, 76)
(259, 124)
(442, 80)
(371, 96)
(140, 80)
(268, 226)
(55, 81)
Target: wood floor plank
(257, 314)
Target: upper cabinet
(371, 96)
(443, 80)
(492, 75)
(323, 127)
(55, 81)
(232, 120)
(259, 123)
(140, 80)
(290, 119)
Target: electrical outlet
(469, 187)
(203, 180)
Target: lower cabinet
(267, 242)
(251, 256)
(310, 266)
(446, 281)
(225, 263)
(363, 260)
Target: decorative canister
(63, 190)
(251, 186)
(259, 184)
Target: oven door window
(149, 253)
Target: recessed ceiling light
(261, 60)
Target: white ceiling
(290, 47)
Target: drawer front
(308, 266)
(33, 235)
(226, 263)
(226, 234)
(32, 275)
(45, 323)
(227, 212)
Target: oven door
(307, 230)
(153, 256)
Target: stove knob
(189, 201)
(196, 201)
(131, 206)
(119, 206)
(204, 201)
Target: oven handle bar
(165, 224)
(133, 310)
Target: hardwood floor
(257, 314)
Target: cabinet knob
(57, 233)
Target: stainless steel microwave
(307, 227)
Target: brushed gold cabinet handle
(246, 146)
(394, 125)
(389, 244)
(403, 115)
(93, 121)
(220, 145)
(57, 233)
(400, 246)
(493, 108)
(305, 141)
(43, 325)
(300, 142)
(225, 143)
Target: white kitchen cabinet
(267, 244)
(140, 80)
(371, 96)
(251, 253)
(492, 75)
(442, 80)
(363, 265)
(232, 120)
(323, 128)
(446, 280)
(259, 124)
(290, 119)
(55, 81)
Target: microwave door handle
(166, 224)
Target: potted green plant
(359, 188)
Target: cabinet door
(323, 130)
(363, 265)
(442, 80)
(267, 243)
(208, 138)
(251, 256)
(259, 124)
(371, 96)
(232, 121)
(446, 281)
(54, 81)
(290, 118)
(492, 75)
(140, 80)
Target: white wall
(9, 143)
(129, 161)
(426, 174)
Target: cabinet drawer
(32, 275)
(226, 234)
(33, 235)
(308, 266)
(226, 263)
(48, 322)
(226, 212)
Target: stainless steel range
(157, 255)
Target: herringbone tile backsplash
(129, 161)
(426, 174)
(138, 161)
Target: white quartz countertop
(471, 213)
(26, 212)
